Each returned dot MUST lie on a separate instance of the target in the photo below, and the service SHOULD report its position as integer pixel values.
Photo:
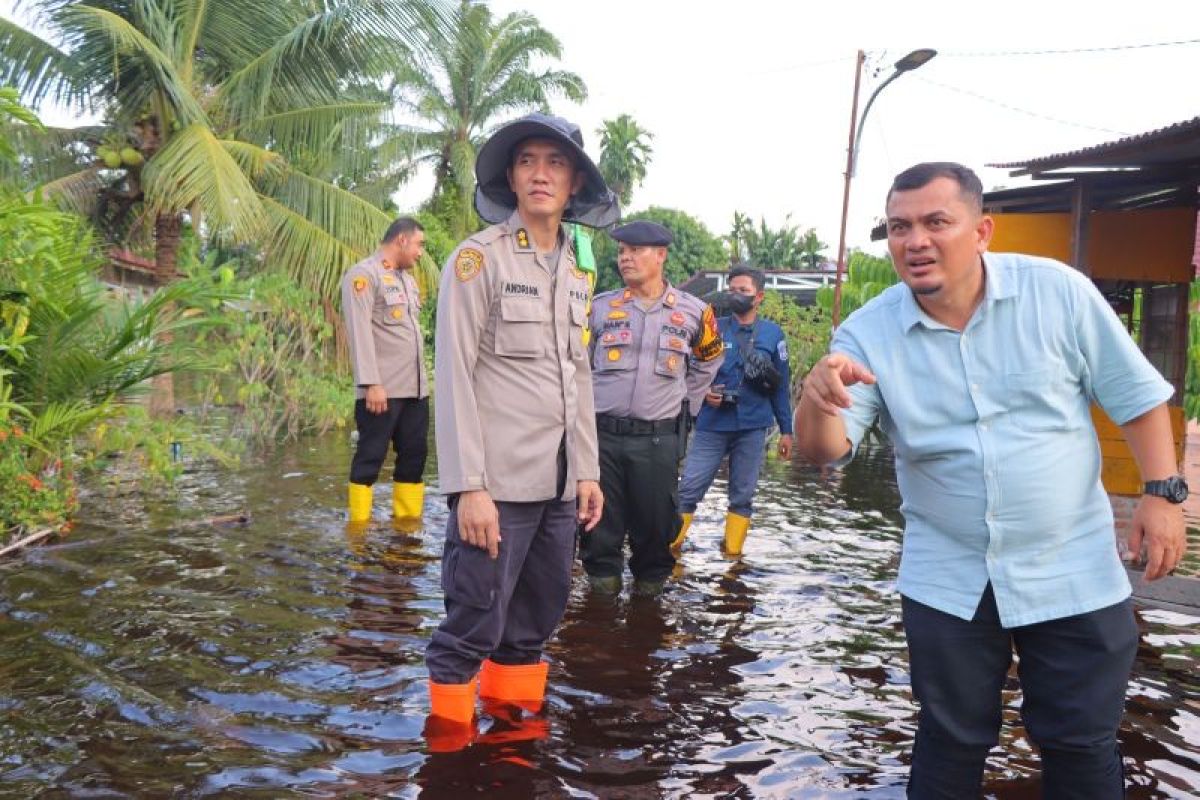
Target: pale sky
(749, 102)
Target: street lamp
(915, 59)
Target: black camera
(729, 397)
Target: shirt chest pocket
(390, 311)
(616, 351)
(519, 329)
(672, 355)
(1042, 400)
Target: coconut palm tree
(625, 153)
(477, 75)
(204, 103)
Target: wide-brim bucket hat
(594, 205)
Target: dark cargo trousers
(405, 426)
(1073, 672)
(507, 607)
(639, 476)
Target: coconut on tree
(204, 102)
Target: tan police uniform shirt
(511, 370)
(647, 361)
(382, 308)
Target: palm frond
(78, 192)
(310, 127)
(345, 216)
(195, 167)
(126, 40)
(256, 162)
(306, 251)
(37, 68)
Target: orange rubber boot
(522, 685)
(450, 725)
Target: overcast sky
(749, 101)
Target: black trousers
(405, 426)
(503, 608)
(1073, 672)
(639, 475)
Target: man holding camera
(749, 395)
(654, 353)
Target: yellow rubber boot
(736, 528)
(408, 500)
(521, 685)
(450, 724)
(360, 502)
(677, 545)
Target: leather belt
(628, 426)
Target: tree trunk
(167, 234)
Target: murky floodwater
(155, 655)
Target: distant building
(798, 285)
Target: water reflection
(156, 655)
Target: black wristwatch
(1174, 489)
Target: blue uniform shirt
(996, 456)
(753, 409)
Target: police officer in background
(749, 394)
(654, 352)
(382, 309)
(516, 429)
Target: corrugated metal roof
(1082, 157)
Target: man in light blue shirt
(981, 368)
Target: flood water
(156, 655)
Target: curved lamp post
(913, 60)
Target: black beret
(642, 233)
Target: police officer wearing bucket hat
(514, 415)
(655, 350)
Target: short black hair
(401, 227)
(566, 151)
(756, 275)
(920, 175)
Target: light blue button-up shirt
(996, 456)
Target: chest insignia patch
(468, 264)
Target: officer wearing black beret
(643, 233)
(654, 351)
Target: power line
(794, 67)
(1024, 111)
(1069, 51)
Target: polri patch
(468, 264)
(360, 285)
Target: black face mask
(740, 303)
